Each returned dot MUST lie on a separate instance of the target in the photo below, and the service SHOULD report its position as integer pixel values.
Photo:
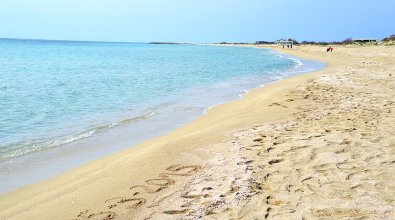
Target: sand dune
(317, 146)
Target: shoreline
(199, 156)
(33, 167)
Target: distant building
(285, 43)
(364, 41)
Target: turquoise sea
(59, 99)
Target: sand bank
(317, 145)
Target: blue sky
(196, 20)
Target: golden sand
(315, 146)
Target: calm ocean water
(57, 93)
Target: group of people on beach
(288, 46)
(329, 49)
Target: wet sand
(315, 146)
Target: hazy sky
(196, 20)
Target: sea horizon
(105, 41)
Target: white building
(285, 43)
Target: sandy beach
(315, 146)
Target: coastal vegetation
(390, 40)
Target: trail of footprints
(321, 164)
(136, 199)
(331, 155)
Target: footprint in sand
(267, 212)
(131, 202)
(277, 104)
(275, 161)
(108, 215)
(176, 212)
(156, 185)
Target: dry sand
(315, 146)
